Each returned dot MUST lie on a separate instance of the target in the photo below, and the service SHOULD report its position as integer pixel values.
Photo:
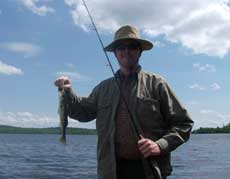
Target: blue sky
(42, 39)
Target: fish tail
(63, 139)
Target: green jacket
(157, 109)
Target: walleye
(63, 114)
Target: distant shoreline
(218, 130)
(82, 131)
(50, 130)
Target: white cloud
(27, 49)
(192, 102)
(202, 26)
(211, 118)
(204, 68)
(197, 86)
(215, 87)
(9, 69)
(27, 119)
(158, 44)
(89, 125)
(32, 5)
(75, 76)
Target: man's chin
(131, 67)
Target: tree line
(51, 130)
(207, 130)
(71, 130)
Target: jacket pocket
(103, 115)
(148, 104)
(149, 115)
(104, 107)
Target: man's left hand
(148, 148)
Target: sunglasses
(131, 46)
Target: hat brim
(145, 44)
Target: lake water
(205, 156)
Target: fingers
(63, 82)
(143, 144)
(60, 81)
(145, 147)
(148, 148)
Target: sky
(43, 39)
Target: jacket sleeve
(179, 123)
(83, 109)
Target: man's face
(127, 53)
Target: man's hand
(63, 82)
(148, 148)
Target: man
(163, 124)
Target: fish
(63, 114)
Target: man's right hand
(63, 82)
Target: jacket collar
(133, 76)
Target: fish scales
(63, 114)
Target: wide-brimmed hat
(128, 33)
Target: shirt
(125, 137)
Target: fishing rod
(113, 72)
(156, 171)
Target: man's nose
(127, 50)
